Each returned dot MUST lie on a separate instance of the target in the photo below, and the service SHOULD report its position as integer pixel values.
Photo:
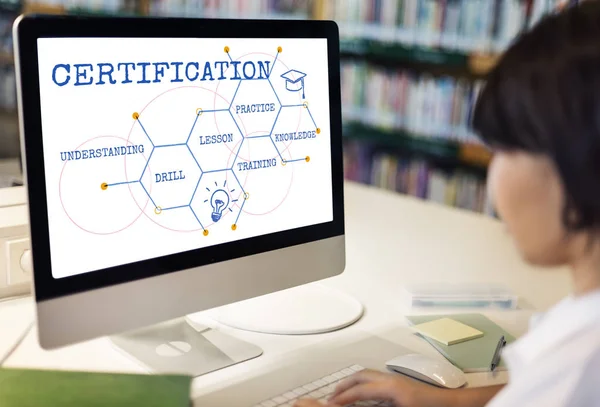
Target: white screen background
(91, 228)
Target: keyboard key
(300, 391)
(329, 389)
(279, 400)
(320, 389)
(320, 383)
(330, 379)
(290, 395)
(317, 394)
(310, 387)
(339, 375)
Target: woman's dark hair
(543, 97)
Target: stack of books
(420, 104)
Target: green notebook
(34, 388)
(474, 355)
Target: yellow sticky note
(448, 331)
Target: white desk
(391, 240)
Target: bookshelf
(445, 49)
(419, 145)
(426, 49)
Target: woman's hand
(373, 385)
(401, 391)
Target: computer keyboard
(320, 389)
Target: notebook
(24, 388)
(474, 355)
(448, 331)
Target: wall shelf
(475, 64)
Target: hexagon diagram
(219, 199)
(215, 140)
(259, 168)
(295, 127)
(255, 107)
(207, 151)
(174, 176)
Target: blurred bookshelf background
(411, 72)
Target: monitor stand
(186, 347)
(181, 346)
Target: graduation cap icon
(294, 81)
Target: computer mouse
(438, 372)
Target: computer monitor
(175, 165)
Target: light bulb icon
(219, 202)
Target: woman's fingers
(364, 376)
(374, 390)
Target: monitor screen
(159, 146)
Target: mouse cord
(19, 341)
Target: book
(28, 387)
(447, 331)
(474, 355)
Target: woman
(540, 112)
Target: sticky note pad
(448, 331)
